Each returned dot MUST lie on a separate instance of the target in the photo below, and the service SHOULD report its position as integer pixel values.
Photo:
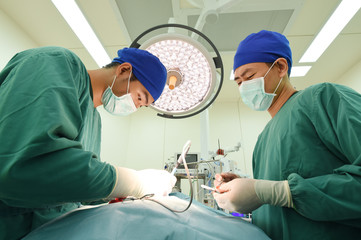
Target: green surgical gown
(50, 140)
(314, 142)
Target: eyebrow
(244, 73)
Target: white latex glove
(245, 195)
(224, 177)
(158, 182)
(138, 183)
(238, 195)
(276, 193)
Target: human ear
(282, 67)
(123, 68)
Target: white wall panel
(352, 78)
(12, 39)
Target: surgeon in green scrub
(50, 133)
(307, 160)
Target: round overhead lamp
(193, 82)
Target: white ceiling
(118, 22)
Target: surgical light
(192, 80)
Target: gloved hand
(159, 182)
(134, 183)
(245, 195)
(238, 195)
(224, 177)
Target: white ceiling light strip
(76, 20)
(231, 75)
(299, 71)
(342, 15)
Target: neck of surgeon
(286, 90)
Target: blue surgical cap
(147, 68)
(264, 46)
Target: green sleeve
(336, 116)
(42, 114)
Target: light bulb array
(195, 72)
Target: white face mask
(254, 95)
(120, 106)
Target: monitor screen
(190, 158)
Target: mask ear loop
(129, 81)
(268, 72)
(270, 68)
(278, 85)
(111, 87)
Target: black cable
(149, 196)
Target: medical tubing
(173, 171)
(179, 160)
(177, 165)
(182, 158)
(190, 183)
(191, 188)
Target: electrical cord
(184, 152)
(149, 196)
(191, 189)
(183, 156)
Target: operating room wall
(144, 140)
(12, 39)
(352, 78)
(114, 142)
(252, 123)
